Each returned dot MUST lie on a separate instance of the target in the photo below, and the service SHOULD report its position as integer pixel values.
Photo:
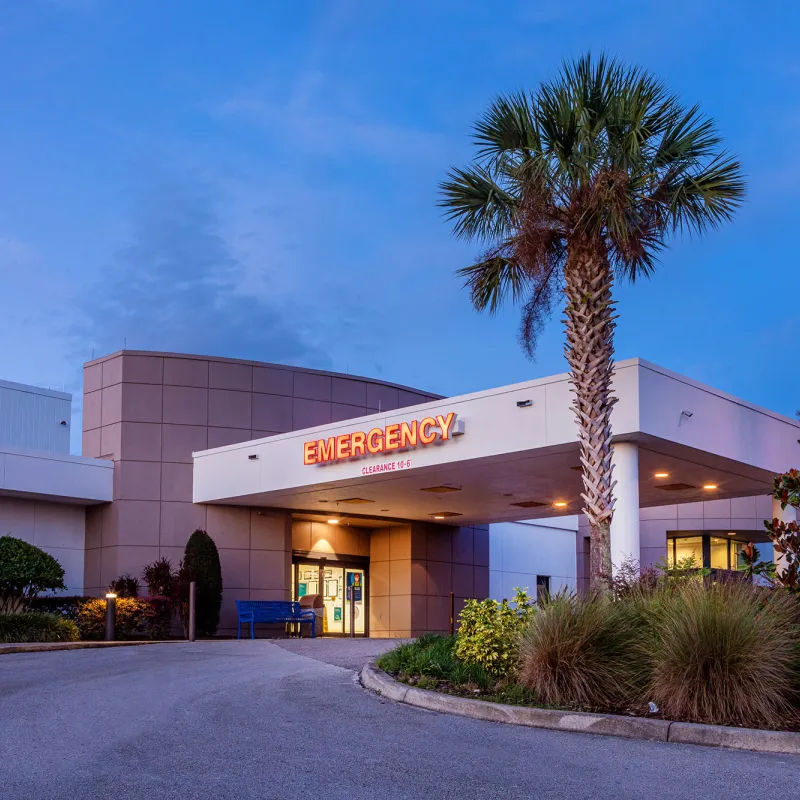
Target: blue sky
(259, 180)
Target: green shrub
(36, 627)
(25, 570)
(785, 536)
(201, 564)
(585, 652)
(124, 586)
(489, 632)
(433, 658)
(136, 618)
(724, 654)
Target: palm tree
(574, 185)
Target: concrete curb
(46, 647)
(653, 730)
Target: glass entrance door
(336, 583)
(355, 595)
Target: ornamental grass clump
(586, 653)
(724, 654)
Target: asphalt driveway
(251, 719)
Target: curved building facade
(149, 411)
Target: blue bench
(253, 611)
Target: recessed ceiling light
(438, 516)
(731, 533)
(560, 504)
(333, 522)
(661, 474)
(709, 486)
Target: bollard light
(111, 616)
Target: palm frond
(476, 204)
(492, 280)
(506, 129)
(707, 197)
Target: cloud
(176, 286)
(332, 132)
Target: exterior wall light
(524, 403)
(253, 457)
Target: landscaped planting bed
(682, 649)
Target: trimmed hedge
(36, 627)
(201, 564)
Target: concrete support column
(785, 515)
(625, 524)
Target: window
(542, 588)
(689, 547)
(719, 553)
(709, 552)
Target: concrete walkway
(349, 653)
(244, 720)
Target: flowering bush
(137, 618)
(489, 632)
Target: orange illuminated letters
(396, 436)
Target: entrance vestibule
(340, 584)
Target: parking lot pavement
(250, 720)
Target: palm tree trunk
(590, 353)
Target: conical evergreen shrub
(201, 564)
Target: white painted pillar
(785, 515)
(625, 523)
